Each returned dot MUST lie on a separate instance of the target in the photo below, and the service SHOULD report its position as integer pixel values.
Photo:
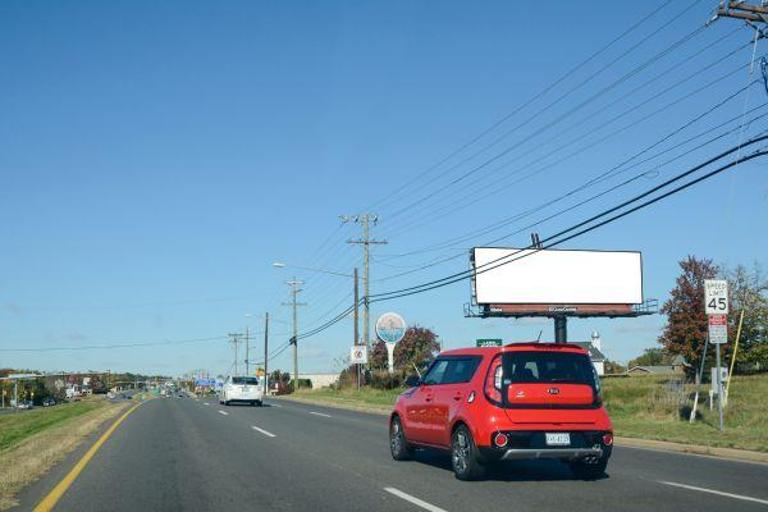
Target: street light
(280, 264)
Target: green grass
(17, 426)
(639, 407)
(371, 398)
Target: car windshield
(251, 381)
(548, 367)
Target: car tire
(258, 403)
(398, 444)
(589, 469)
(465, 458)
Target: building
(320, 380)
(594, 347)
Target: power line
(572, 110)
(613, 171)
(524, 105)
(438, 283)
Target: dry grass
(29, 459)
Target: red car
(520, 401)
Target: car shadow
(507, 471)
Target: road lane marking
(206, 403)
(719, 493)
(416, 501)
(275, 405)
(55, 495)
(266, 433)
(320, 414)
(225, 413)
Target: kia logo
(553, 391)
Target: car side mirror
(412, 381)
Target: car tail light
(493, 380)
(500, 440)
(607, 439)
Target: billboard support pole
(561, 329)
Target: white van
(241, 389)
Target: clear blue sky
(156, 158)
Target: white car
(241, 389)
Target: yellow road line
(55, 495)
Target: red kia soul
(520, 401)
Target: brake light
(493, 380)
(608, 439)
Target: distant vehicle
(25, 405)
(241, 390)
(520, 401)
(49, 402)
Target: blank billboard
(557, 276)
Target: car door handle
(429, 398)
(457, 396)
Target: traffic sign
(358, 354)
(718, 329)
(716, 296)
(488, 342)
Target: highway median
(31, 442)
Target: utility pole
(365, 220)
(356, 340)
(233, 339)
(247, 350)
(294, 284)
(742, 11)
(266, 352)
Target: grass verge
(640, 407)
(33, 441)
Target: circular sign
(390, 327)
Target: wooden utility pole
(742, 11)
(365, 220)
(266, 353)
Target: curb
(628, 442)
(694, 449)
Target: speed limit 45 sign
(716, 296)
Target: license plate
(558, 439)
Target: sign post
(390, 328)
(716, 307)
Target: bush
(383, 380)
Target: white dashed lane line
(265, 432)
(224, 413)
(320, 414)
(412, 499)
(718, 493)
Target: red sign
(718, 319)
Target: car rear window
(548, 367)
(253, 381)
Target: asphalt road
(186, 454)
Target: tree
(614, 368)
(748, 293)
(651, 357)
(686, 329)
(418, 347)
